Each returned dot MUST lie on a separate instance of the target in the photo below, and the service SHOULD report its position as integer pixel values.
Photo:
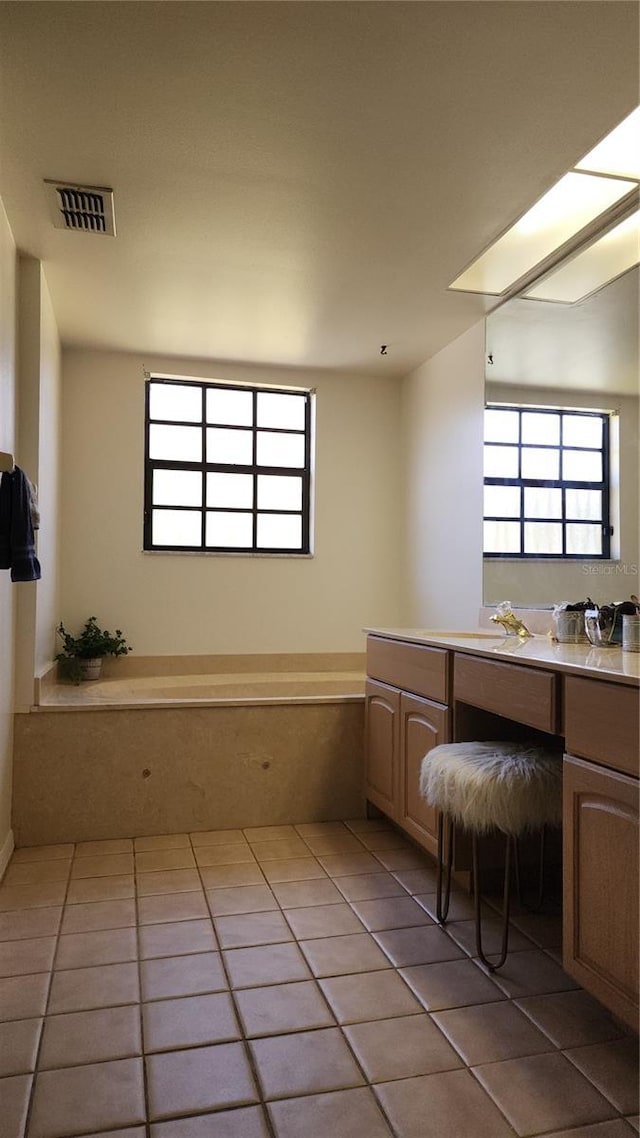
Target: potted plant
(81, 657)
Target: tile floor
(286, 981)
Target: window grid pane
(557, 462)
(238, 476)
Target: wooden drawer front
(601, 723)
(600, 909)
(412, 667)
(527, 695)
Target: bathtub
(192, 744)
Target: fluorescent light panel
(573, 203)
(619, 152)
(608, 257)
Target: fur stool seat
(486, 786)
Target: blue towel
(17, 546)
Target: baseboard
(5, 853)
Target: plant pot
(90, 669)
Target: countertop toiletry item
(630, 633)
(512, 625)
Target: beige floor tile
(104, 848)
(27, 924)
(461, 906)
(38, 872)
(613, 1068)
(464, 933)
(128, 1132)
(542, 1092)
(333, 843)
(390, 913)
(96, 1097)
(450, 1103)
(101, 865)
(82, 989)
(292, 869)
(41, 896)
(246, 1122)
(304, 1062)
(369, 886)
(173, 976)
(424, 945)
(165, 907)
(571, 1019)
(189, 1022)
(252, 929)
(269, 833)
(177, 938)
(23, 997)
(384, 840)
(217, 838)
(241, 899)
(18, 957)
(395, 860)
(300, 894)
(634, 1121)
(343, 865)
(283, 1008)
(42, 853)
(19, 1046)
(115, 888)
(339, 1114)
(227, 876)
(615, 1128)
(150, 861)
(271, 964)
(162, 842)
(168, 881)
(323, 921)
(280, 850)
(451, 984)
(14, 1102)
(401, 1048)
(90, 1037)
(233, 854)
(338, 955)
(423, 880)
(368, 825)
(532, 974)
(489, 1033)
(99, 915)
(545, 930)
(369, 996)
(317, 829)
(203, 1078)
(105, 946)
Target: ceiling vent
(84, 209)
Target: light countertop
(578, 659)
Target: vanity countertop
(536, 651)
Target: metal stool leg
(505, 902)
(442, 911)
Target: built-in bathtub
(179, 744)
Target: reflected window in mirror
(546, 482)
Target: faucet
(512, 624)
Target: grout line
(143, 1057)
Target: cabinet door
(600, 938)
(423, 725)
(382, 712)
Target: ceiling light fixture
(607, 258)
(619, 153)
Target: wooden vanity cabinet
(381, 747)
(600, 837)
(423, 725)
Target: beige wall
(190, 603)
(442, 440)
(7, 590)
(531, 583)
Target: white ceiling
(295, 183)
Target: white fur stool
(512, 787)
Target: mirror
(582, 356)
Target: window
(546, 482)
(227, 468)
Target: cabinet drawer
(412, 667)
(527, 695)
(601, 723)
